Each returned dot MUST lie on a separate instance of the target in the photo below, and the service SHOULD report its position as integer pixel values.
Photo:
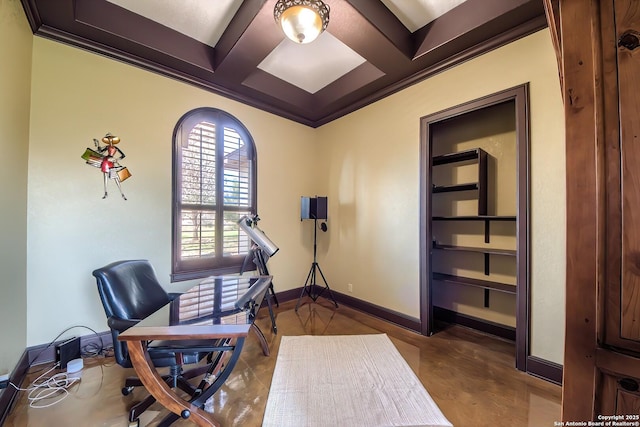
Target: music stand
(312, 208)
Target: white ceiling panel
(203, 20)
(311, 66)
(415, 14)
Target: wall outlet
(350, 287)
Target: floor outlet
(350, 287)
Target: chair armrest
(185, 332)
(121, 324)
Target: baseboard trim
(288, 295)
(544, 369)
(37, 355)
(449, 316)
(390, 316)
(8, 395)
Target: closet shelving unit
(479, 156)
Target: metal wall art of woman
(107, 157)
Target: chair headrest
(129, 289)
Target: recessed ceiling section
(415, 14)
(203, 20)
(343, 91)
(312, 66)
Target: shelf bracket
(486, 273)
(487, 268)
(487, 230)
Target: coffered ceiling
(371, 48)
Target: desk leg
(230, 362)
(262, 339)
(160, 390)
(271, 315)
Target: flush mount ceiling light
(301, 20)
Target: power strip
(67, 351)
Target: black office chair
(130, 291)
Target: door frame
(520, 96)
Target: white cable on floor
(47, 388)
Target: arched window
(214, 184)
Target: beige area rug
(346, 380)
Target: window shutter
(214, 185)
(237, 194)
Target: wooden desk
(220, 310)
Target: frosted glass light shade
(302, 20)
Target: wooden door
(624, 328)
(600, 68)
(618, 362)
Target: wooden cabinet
(623, 202)
(602, 104)
(618, 383)
(619, 396)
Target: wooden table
(220, 310)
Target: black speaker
(321, 208)
(313, 208)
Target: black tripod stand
(310, 285)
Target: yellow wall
(78, 96)
(372, 161)
(367, 163)
(15, 72)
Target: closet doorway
(474, 230)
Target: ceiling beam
(386, 23)
(394, 57)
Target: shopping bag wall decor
(107, 156)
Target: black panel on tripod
(321, 208)
(313, 208)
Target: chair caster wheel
(135, 423)
(185, 413)
(126, 391)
